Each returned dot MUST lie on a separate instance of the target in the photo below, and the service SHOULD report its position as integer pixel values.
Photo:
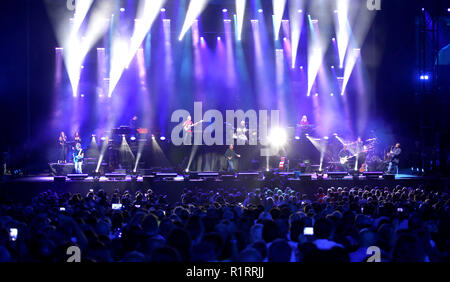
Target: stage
(23, 189)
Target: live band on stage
(357, 156)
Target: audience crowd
(343, 224)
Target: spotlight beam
(352, 57)
(296, 20)
(81, 9)
(278, 11)
(343, 29)
(240, 11)
(316, 53)
(195, 8)
(124, 52)
(77, 46)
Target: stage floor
(23, 189)
(90, 179)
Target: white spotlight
(278, 137)
(240, 10)
(278, 11)
(194, 10)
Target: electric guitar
(389, 155)
(344, 160)
(363, 168)
(79, 157)
(187, 127)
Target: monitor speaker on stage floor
(59, 179)
(337, 174)
(389, 176)
(248, 176)
(305, 177)
(77, 176)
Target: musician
(241, 131)
(231, 156)
(134, 125)
(187, 125)
(304, 121)
(303, 127)
(359, 145)
(345, 154)
(394, 156)
(76, 139)
(62, 142)
(78, 155)
(360, 152)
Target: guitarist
(231, 155)
(78, 156)
(240, 133)
(394, 158)
(344, 156)
(187, 126)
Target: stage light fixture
(224, 10)
(163, 10)
(162, 138)
(122, 10)
(133, 138)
